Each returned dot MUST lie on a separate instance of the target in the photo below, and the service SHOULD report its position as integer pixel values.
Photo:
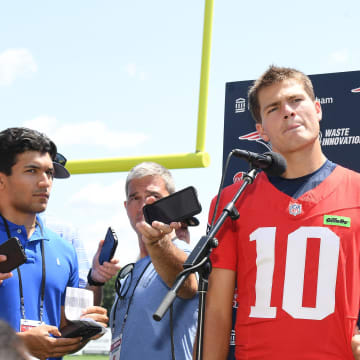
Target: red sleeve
(225, 255)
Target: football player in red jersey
(294, 251)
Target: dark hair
(11, 345)
(272, 76)
(17, 140)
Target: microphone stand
(198, 261)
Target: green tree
(109, 294)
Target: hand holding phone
(86, 328)
(179, 206)
(109, 246)
(15, 254)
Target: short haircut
(17, 140)
(11, 345)
(149, 168)
(272, 76)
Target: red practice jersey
(298, 268)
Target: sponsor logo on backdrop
(240, 105)
(338, 136)
(325, 100)
(255, 136)
(238, 176)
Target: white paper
(75, 301)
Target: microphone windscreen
(278, 165)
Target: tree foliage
(109, 294)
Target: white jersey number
(294, 272)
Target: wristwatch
(92, 282)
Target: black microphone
(272, 163)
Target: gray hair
(149, 168)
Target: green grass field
(86, 357)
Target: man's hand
(157, 231)
(355, 344)
(41, 345)
(183, 233)
(96, 313)
(104, 272)
(4, 276)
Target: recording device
(85, 328)
(15, 254)
(109, 246)
(272, 163)
(179, 206)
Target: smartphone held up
(180, 206)
(109, 246)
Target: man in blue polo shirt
(32, 297)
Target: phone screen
(178, 206)
(109, 246)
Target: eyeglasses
(60, 159)
(123, 289)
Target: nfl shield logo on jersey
(295, 209)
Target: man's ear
(318, 110)
(2, 180)
(261, 132)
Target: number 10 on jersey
(297, 243)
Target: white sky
(121, 78)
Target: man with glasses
(141, 286)
(33, 295)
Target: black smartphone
(179, 206)
(84, 328)
(109, 246)
(15, 254)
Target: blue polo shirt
(70, 234)
(61, 270)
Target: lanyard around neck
(130, 300)
(43, 277)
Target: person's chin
(41, 207)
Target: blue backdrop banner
(339, 95)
